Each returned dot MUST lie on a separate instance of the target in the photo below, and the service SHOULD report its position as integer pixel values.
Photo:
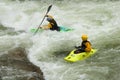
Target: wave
(97, 18)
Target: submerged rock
(9, 31)
(15, 66)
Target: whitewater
(99, 19)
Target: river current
(100, 19)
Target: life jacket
(83, 45)
(54, 25)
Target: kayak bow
(72, 57)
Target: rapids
(100, 19)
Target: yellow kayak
(72, 57)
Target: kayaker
(52, 25)
(85, 45)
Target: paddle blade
(49, 8)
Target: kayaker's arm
(47, 26)
(49, 16)
(77, 47)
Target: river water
(100, 19)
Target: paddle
(43, 19)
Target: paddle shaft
(43, 19)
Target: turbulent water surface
(100, 19)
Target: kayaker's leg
(77, 51)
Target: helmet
(49, 19)
(84, 37)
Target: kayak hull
(62, 29)
(72, 57)
(65, 29)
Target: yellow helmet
(84, 37)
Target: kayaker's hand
(77, 47)
(46, 15)
(40, 27)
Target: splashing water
(100, 20)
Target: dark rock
(17, 62)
